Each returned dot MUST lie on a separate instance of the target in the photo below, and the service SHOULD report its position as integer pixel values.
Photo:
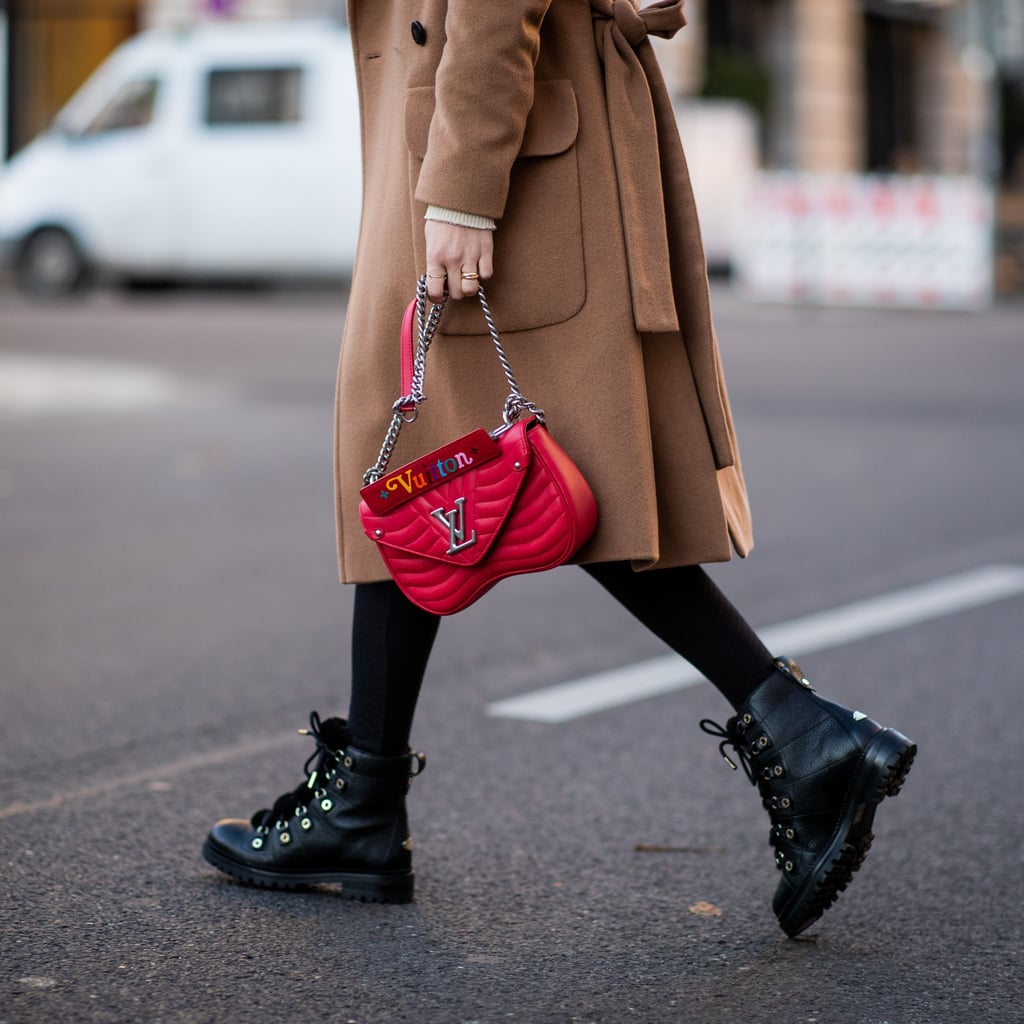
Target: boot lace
(782, 835)
(323, 760)
(730, 736)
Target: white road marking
(156, 777)
(624, 686)
(857, 621)
(33, 385)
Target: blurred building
(840, 85)
(930, 87)
(47, 49)
(870, 85)
(902, 86)
(176, 12)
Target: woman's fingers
(470, 279)
(436, 277)
(462, 256)
(486, 264)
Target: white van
(226, 150)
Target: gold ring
(437, 277)
(470, 277)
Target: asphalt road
(169, 613)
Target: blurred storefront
(898, 88)
(868, 85)
(830, 87)
(177, 12)
(47, 49)
(838, 85)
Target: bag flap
(454, 519)
(551, 126)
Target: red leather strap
(408, 351)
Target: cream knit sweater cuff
(459, 217)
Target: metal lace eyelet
(778, 771)
(766, 773)
(340, 783)
(280, 825)
(326, 804)
(785, 802)
(747, 719)
(789, 865)
(347, 762)
(320, 793)
(790, 834)
(306, 824)
(285, 838)
(257, 843)
(763, 742)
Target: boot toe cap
(232, 835)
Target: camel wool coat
(551, 117)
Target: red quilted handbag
(488, 505)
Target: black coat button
(419, 33)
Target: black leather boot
(345, 825)
(821, 771)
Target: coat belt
(656, 199)
(630, 72)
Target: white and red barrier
(917, 242)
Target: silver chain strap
(515, 404)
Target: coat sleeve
(483, 94)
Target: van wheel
(50, 265)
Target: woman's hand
(453, 252)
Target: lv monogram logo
(455, 520)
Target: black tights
(392, 639)
(391, 642)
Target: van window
(249, 96)
(131, 106)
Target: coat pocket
(539, 275)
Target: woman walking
(532, 144)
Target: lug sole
(881, 774)
(366, 887)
